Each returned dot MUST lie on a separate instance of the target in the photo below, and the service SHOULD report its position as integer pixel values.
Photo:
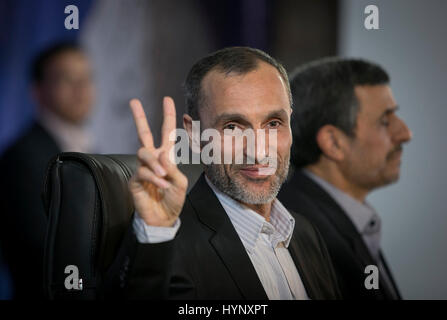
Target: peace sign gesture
(158, 187)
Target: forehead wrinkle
(233, 91)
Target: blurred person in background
(347, 141)
(61, 85)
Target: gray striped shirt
(266, 244)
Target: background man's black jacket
(207, 260)
(346, 247)
(22, 216)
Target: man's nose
(268, 147)
(261, 146)
(402, 134)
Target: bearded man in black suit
(229, 238)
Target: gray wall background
(412, 45)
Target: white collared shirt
(266, 244)
(68, 136)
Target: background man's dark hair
(239, 60)
(323, 93)
(41, 61)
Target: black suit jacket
(207, 260)
(23, 220)
(346, 247)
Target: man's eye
(385, 122)
(230, 126)
(274, 123)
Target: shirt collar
(362, 215)
(69, 137)
(249, 225)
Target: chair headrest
(89, 209)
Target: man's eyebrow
(277, 114)
(237, 117)
(224, 117)
(389, 110)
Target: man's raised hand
(158, 187)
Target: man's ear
(187, 125)
(332, 142)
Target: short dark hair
(41, 61)
(240, 60)
(323, 93)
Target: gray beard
(236, 190)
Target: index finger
(143, 130)
(169, 122)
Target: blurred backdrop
(145, 48)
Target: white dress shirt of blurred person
(64, 92)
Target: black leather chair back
(89, 210)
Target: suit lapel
(335, 214)
(342, 223)
(226, 241)
(390, 277)
(296, 252)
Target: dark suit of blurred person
(62, 87)
(347, 141)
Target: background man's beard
(235, 187)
